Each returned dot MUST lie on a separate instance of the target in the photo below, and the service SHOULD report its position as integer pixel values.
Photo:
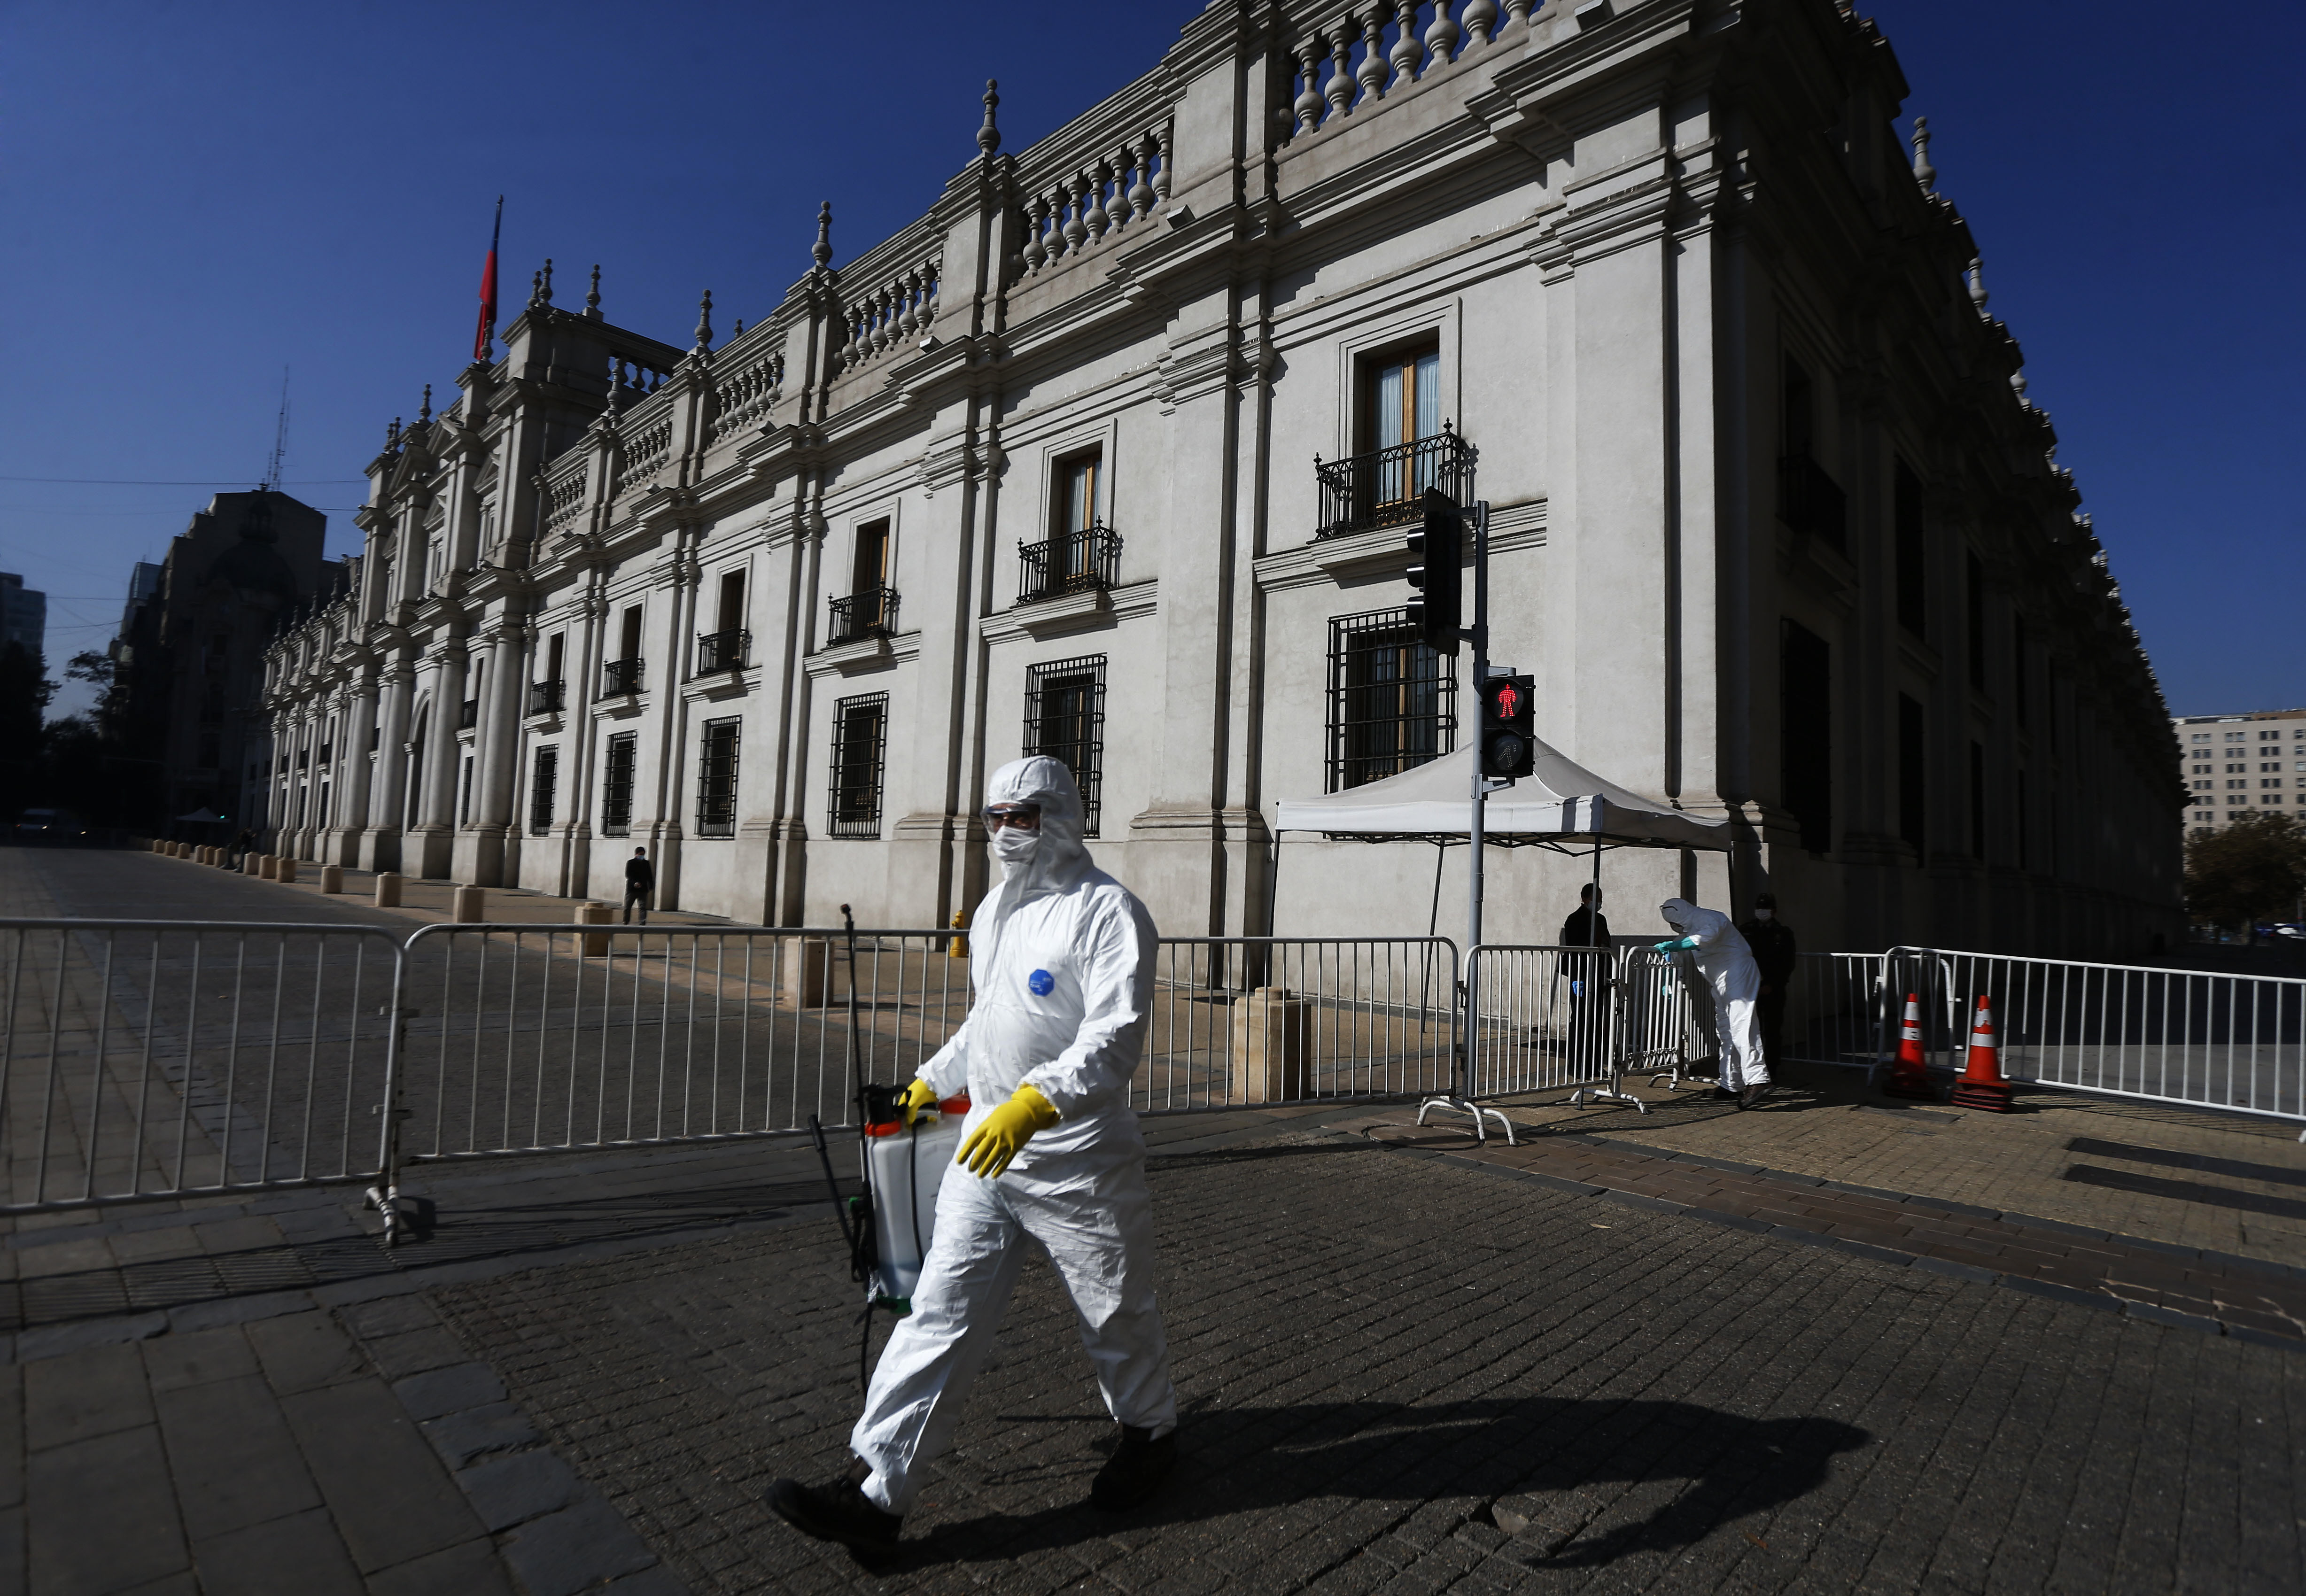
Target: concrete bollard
(287, 871)
(1270, 1029)
(332, 878)
(470, 906)
(595, 944)
(388, 889)
(268, 866)
(805, 971)
(252, 863)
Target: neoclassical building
(1111, 453)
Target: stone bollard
(267, 866)
(332, 878)
(804, 972)
(595, 944)
(470, 906)
(252, 863)
(388, 889)
(158, 846)
(1269, 1034)
(287, 871)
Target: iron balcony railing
(869, 612)
(1384, 486)
(1810, 501)
(722, 650)
(1069, 562)
(544, 697)
(468, 714)
(619, 677)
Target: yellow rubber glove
(1005, 1131)
(918, 1096)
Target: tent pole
(1433, 917)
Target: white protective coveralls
(1727, 964)
(1061, 956)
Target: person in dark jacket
(1589, 978)
(1772, 942)
(640, 882)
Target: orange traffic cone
(1981, 1085)
(1909, 1077)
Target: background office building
(1109, 455)
(2232, 765)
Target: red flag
(488, 326)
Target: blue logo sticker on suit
(1041, 983)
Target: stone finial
(544, 293)
(425, 413)
(739, 332)
(2018, 384)
(592, 295)
(822, 249)
(536, 289)
(1924, 174)
(1977, 285)
(704, 320)
(988, 137)
(391, 433)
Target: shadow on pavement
(1496, 1455)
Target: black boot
(1752, 1095)
(1723, 1094)
(1135, 1470)
(839, 1510)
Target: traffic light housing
(1438, 613)
(1508, 745)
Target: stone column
(388, 777)
(496, 747)
(436, 782)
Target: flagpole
(485, 334)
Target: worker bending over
(1062, 957)
(1727, 964)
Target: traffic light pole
(1461, 1099)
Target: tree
(2253, 870)
(24, 692)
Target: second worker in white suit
(1727, 964)
(1061, 956)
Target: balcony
(721, 651)
(468, 714)
(1071, 562)
(870, 612)
(1810, 501)
(544, 697)
(620, 678)
(1385, 487)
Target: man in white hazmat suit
(1061, 956)
(1727, 964)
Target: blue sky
(200, 196)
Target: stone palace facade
(1110, 455)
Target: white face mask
(1013, 845)
(1763, 914)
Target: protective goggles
(1025, 817)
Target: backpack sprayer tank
(903, 1169)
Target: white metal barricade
(1258, 1019)
(143, 1060)
(2168, 1036)
(1547, 1017)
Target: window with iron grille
(716, 780)
(617, 784)
(861, 732)
(544, 774)
(1064, 718)
(1393, 700)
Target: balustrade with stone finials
(748, 383)
(898, 311)
(1094, 198)
(1351, 58)
(566, 487)
(646, 438)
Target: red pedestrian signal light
(1508, 735)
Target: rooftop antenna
(279, 441)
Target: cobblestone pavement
(1407, 1367)
(1398, 1375)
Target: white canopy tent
(1561, 805)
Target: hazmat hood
(1561, 802)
